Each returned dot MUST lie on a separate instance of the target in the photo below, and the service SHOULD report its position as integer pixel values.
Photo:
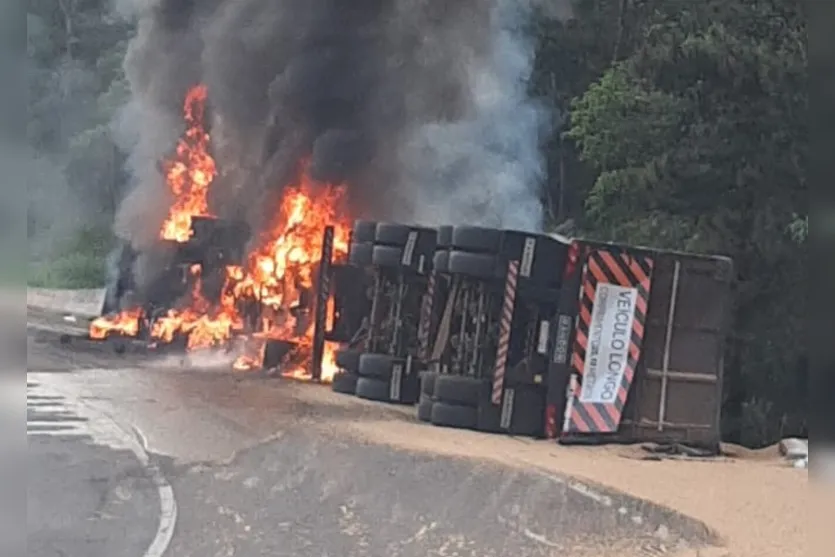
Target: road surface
(88, 494)
(261, 466)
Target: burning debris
(126, 323)
(259, 304)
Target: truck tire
(373, 389)
(348, 360)
(444, 237)
(363, 232)
(474, 265)
(377, 366)
(359, 255)
(427, 383)
(345, 383)
(424, 408)
(389, 234)
(440, 263)
(457, 390)
(387, 257)
(476, 239)
(452, 415)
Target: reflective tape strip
(506, 325)
(544, 331)
(507, 409)
(396, 382)
(528, 251)
(409, 248)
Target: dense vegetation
(680, 125)
(76, 85)
(686, 129)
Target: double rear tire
(469, 251)
(344, 383)
(384, 378)
(345, 380)
(390, 245)
(454, 401)
(465, 402)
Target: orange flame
(124, 324)
(281, 269)
(278, 275)
(191, 171)
(206, 325)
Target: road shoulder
(756, 508)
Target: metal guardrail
(87, 302)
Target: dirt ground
(752, 500)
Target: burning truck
(220, 285)
(479, 328)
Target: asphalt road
(253, 476)
(87, 496)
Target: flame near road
(278, 273)
(125, 323)
(190, 172)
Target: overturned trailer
(582, 341)
(534, 335)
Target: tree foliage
(76, 86)
(698, 142)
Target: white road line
(167, 503)
(63, 423)
(105, 430)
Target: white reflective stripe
(396, 380)
(570, 390)
(527, 257)
(544, 330)
(561, 342)
(507, 408)
(409, 248)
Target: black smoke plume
(419, 106)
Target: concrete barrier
(87, 302)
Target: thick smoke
(162, 63)
(486, 166)
(420, 106)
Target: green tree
(76, 86)
(699, 139)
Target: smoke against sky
(485, 167)
(420, 106)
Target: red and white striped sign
(505, 326)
